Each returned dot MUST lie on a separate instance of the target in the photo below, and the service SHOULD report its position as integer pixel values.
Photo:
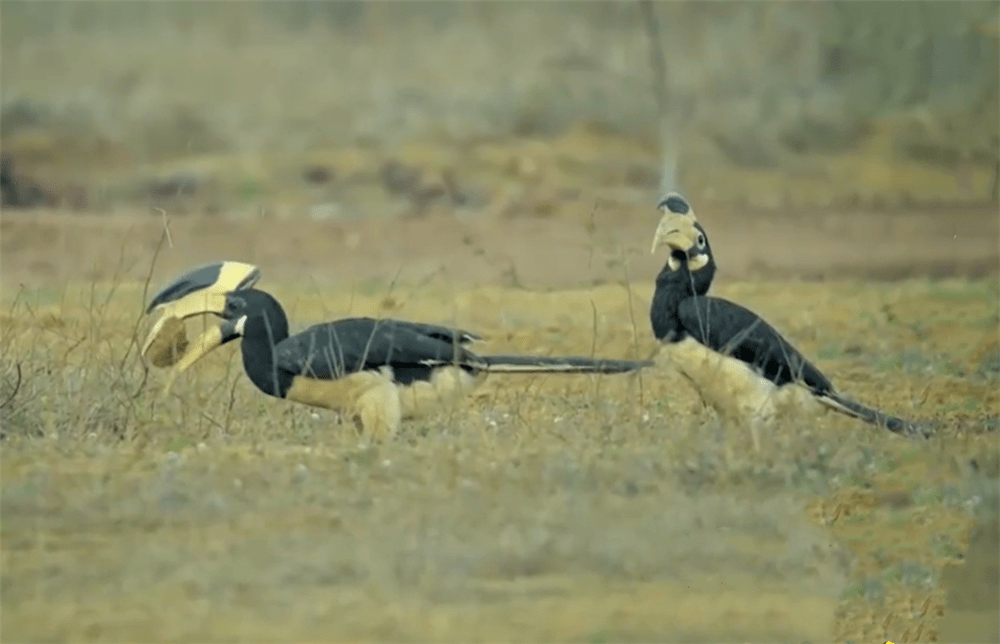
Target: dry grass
(549, 508)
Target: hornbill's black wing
(333, 349)
(730, 329)
(440, 332)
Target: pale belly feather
(340, 394)
(380, 403)
(732, 386)
(447, 386)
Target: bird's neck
(260, 335)
(672, 287)
(701, 280)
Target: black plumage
(681, 309)
(378, 370)
(333, 350)
(733, 330)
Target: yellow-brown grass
(555, 508)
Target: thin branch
(593, 338)
(17, 298)
(166, 226)
(591, 230)
(17, 387)
(631, 315)
(138, 319)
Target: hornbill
(378, 371)
(739, 364)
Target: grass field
(504, 159)
(554, 508)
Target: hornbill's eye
(701, 240)
(234, 306)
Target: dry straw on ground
(549, 508)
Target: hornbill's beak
(675, 231)
(199, 291)
(212, 338)
(207, 342)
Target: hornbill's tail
(540, 364)
(873, 416)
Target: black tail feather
(874, 416)
(544, 364)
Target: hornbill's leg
(379, 410)
(447, 386)
(726, 384)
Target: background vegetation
(241, 97)
(496, 151)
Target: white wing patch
(434, 362)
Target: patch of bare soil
(40, 247)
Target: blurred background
(489, 111)
(96, 90)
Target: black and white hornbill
(739, 364)
(377, 371)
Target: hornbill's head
(252, 303)
(680, 231)
(237, 308)
(197, 292)
(690, 257)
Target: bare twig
(166, 226)
(319, 294)
(17, 387)
(17, 298)
(593, 347)
(593, 339)
(152, 265)
(371, 337)
(115, 281)
(73, 347)
(212, 421)
(138, 319)
(591, 230)
(631, 315)
(9, 327)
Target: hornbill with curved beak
(378, 371)
(739, 364)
